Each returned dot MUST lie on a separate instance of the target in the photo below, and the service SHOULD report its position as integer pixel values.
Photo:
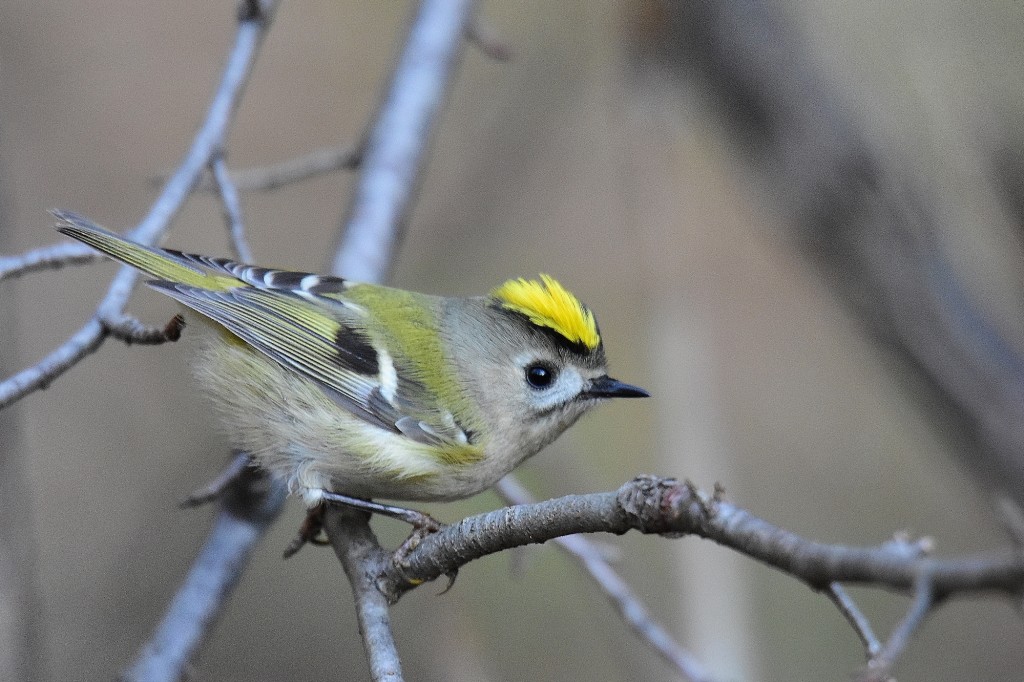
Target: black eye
(540, 376)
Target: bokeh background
(760, 200)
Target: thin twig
(232, 206)
(363, 559)
(319, 162)
(51, 257)
(216, 488)
(130, 330)
(629, 606)
(879, 668)
(487, 40)
(856, 618)
(397, 145)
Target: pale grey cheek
(564, 392)
(569, 385)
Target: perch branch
(363, 559)
(667, 507)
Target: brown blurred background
(798, 224)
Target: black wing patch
(297, 341)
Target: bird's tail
(167, 266)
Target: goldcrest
(375, 392)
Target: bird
(350, 392)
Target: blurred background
(799, 224)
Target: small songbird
(349, 390)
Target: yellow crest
(548, 304)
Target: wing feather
(313, 340)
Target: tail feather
(155, 262)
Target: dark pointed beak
(606, 387)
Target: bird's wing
(323, 341)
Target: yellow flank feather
(548, 304)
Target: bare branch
(629, 606)
(319, 162)
(397, 146)
(208, 141)
(250, 504)
(667, 507)
(51, 257)
(879, 668)
(856, 618)
(363, 559)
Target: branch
(856, 618)
(208, 142)
(51, 257)
(319, 162)
(629, 606)
(250, 504)
(232, 206)
(667, 507)
(363, 560)
(396, 148)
